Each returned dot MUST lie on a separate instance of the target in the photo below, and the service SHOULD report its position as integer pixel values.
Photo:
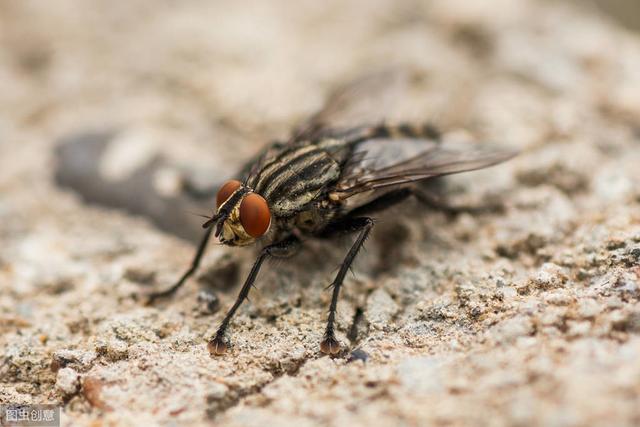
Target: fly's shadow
(78, 168)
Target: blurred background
(626, 12)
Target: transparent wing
(362, 102)
(368, 100)
(384, 164)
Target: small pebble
(67, 381)
(549, 276)
(217, 391)
(358, 354)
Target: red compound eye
(254, 215)
(227, 190)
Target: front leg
(194, 267)
(284, 249)
(329, 344)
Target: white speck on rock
(67, 381)
(549, 276)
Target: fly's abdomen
(390, 131)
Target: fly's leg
(425, 197)
(194, 266)
(383, 202)
(330, 344)
(436, 202)
(218, 344)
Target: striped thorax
(295, 177)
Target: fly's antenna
(224, 211)
(212, 220)
(199, 215)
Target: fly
(327, 180)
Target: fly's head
(242, 216)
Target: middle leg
(330, 344)
(284, 249)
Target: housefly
(326, 180)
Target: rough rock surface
(528, 316)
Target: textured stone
(527, 314)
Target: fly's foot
(218, 346)
(330, 345)
(150, 298)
